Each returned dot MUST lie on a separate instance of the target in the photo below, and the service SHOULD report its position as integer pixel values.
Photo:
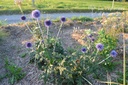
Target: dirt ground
(14, 45)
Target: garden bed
(72, 36)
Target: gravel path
(10, 19)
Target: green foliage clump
(3, 22)
(2, 35)
(82, 18)
(14, 73)
(109, 42)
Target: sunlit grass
(61, 5)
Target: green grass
(75, 18)
(82, 19)
(48, 6)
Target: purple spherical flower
(92, 39)
(23, 18)
(47, 23)
(113, 53)
(63, 19)
(35, 13)
(90, 36)
(43, 41)
(28, 44)
(83, 49)
(99, 46)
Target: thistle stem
(108, 78)
(28, 28)
(124, 58)
(34, 57)
(104, 60)
(87, 81)
(20, 9)
(124, 63)
(95, 56)
(40, 28)
(59, 30)
(47, 32)
(57, 36)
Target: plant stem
(24, 22)
(47, 31)
(124, 59)
(87, 81)
(104, 60)
(40, 28)
(20, 9)
(108, 78)
(110, 82)
(112, 4)
(57, 37)
(124, 62)
(19, 5)
(59, 30)
(95, 56)
(28, 28)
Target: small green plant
(2, 23)
(109, 44)
(2, 34)
(82, 18)
(14, 73)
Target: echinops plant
(62, 67)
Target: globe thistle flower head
(63, 19)
(99, 46)
(113, 53)
(28, 44)
(35, 14)
(90, 36)
(43, 41)
(47, 23)
(92, 39)
(23, 18)
(83, 50)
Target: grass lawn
(47, 6)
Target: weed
(2, 35)
(82, 18)
(3, 23)
(14, 73)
